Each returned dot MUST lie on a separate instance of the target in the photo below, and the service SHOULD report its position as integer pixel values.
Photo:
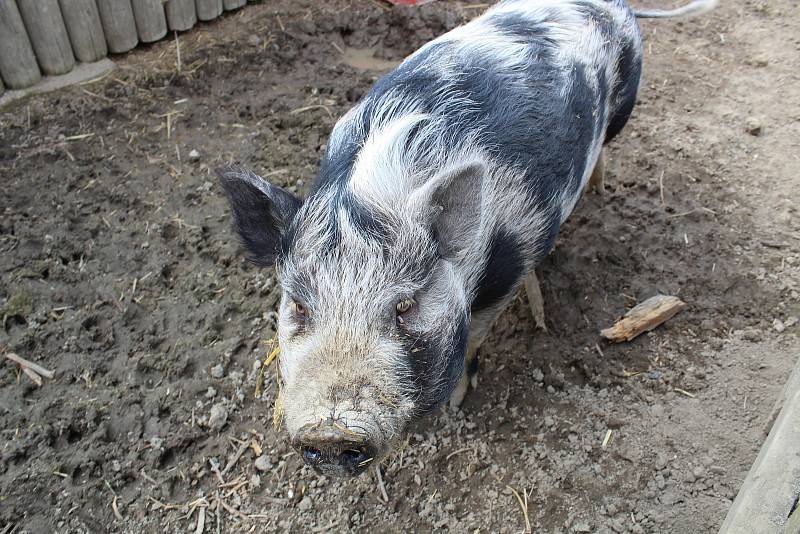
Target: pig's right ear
(262, 212)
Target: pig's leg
(597, 179)
(535, 299)
(479, 328)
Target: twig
(201, 521)
(231, 510)
(380, 483)
(524, 507)
(661, 187)
(243, 447)
(178, 54)
(459, 451)
(25, 364)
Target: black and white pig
(438, 195)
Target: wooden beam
(771, 488)
(85, 30)
(18, 67)
(119, 26)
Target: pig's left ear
(451, 203)
(262, 212)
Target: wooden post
(18, 67)
(208, 9)
(769, 491)
(233, 4)
(150, 19)
(119, 25)
(48, 35)
(181, 14)
(85, 30)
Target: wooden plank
(181, 14)
(644, 317)
(85, 29)
(770, 489)
(208, 9)
(18, 67)
(230, 5)
(151, 22)
(119, 26)
(48, 35)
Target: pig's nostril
(353, 458)
(311, 455)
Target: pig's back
(533, 86)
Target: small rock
(717, 470)
(753, 126)
(211, 393)
(752, 334)
(790, 322)
(194, 154)
(778, 325)
(218, 417)
(305, 503)
(116, 466)
(217, 371)
(255, 481)
(538, 375)
(581, 526)
(254, 40)
(263, 463)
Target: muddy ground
(120, 272)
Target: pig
(438, 195)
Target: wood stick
(644, 317)
(25, 364)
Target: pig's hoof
(457, 397)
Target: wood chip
(644, 317)
(25, 364)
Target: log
(48, 35)
(644, 317)
(85, 29)
(18, 67)
(151, 23)
(769, 491)
(181, 14)
(230, 5)
(208, 9)
(119, 26)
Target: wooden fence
(47, 37)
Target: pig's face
(373, 317)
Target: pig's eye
(403, 306)
(299, 311)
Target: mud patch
(121, 273)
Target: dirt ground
(121, 273)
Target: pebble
(218, 417)
(752, 334)
(194, 154)
(778, 325)
(305, 503)
(217, 371)
(753, 126)
(211, 393)
(581, 526)
(263, 463)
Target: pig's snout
(332, 449)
